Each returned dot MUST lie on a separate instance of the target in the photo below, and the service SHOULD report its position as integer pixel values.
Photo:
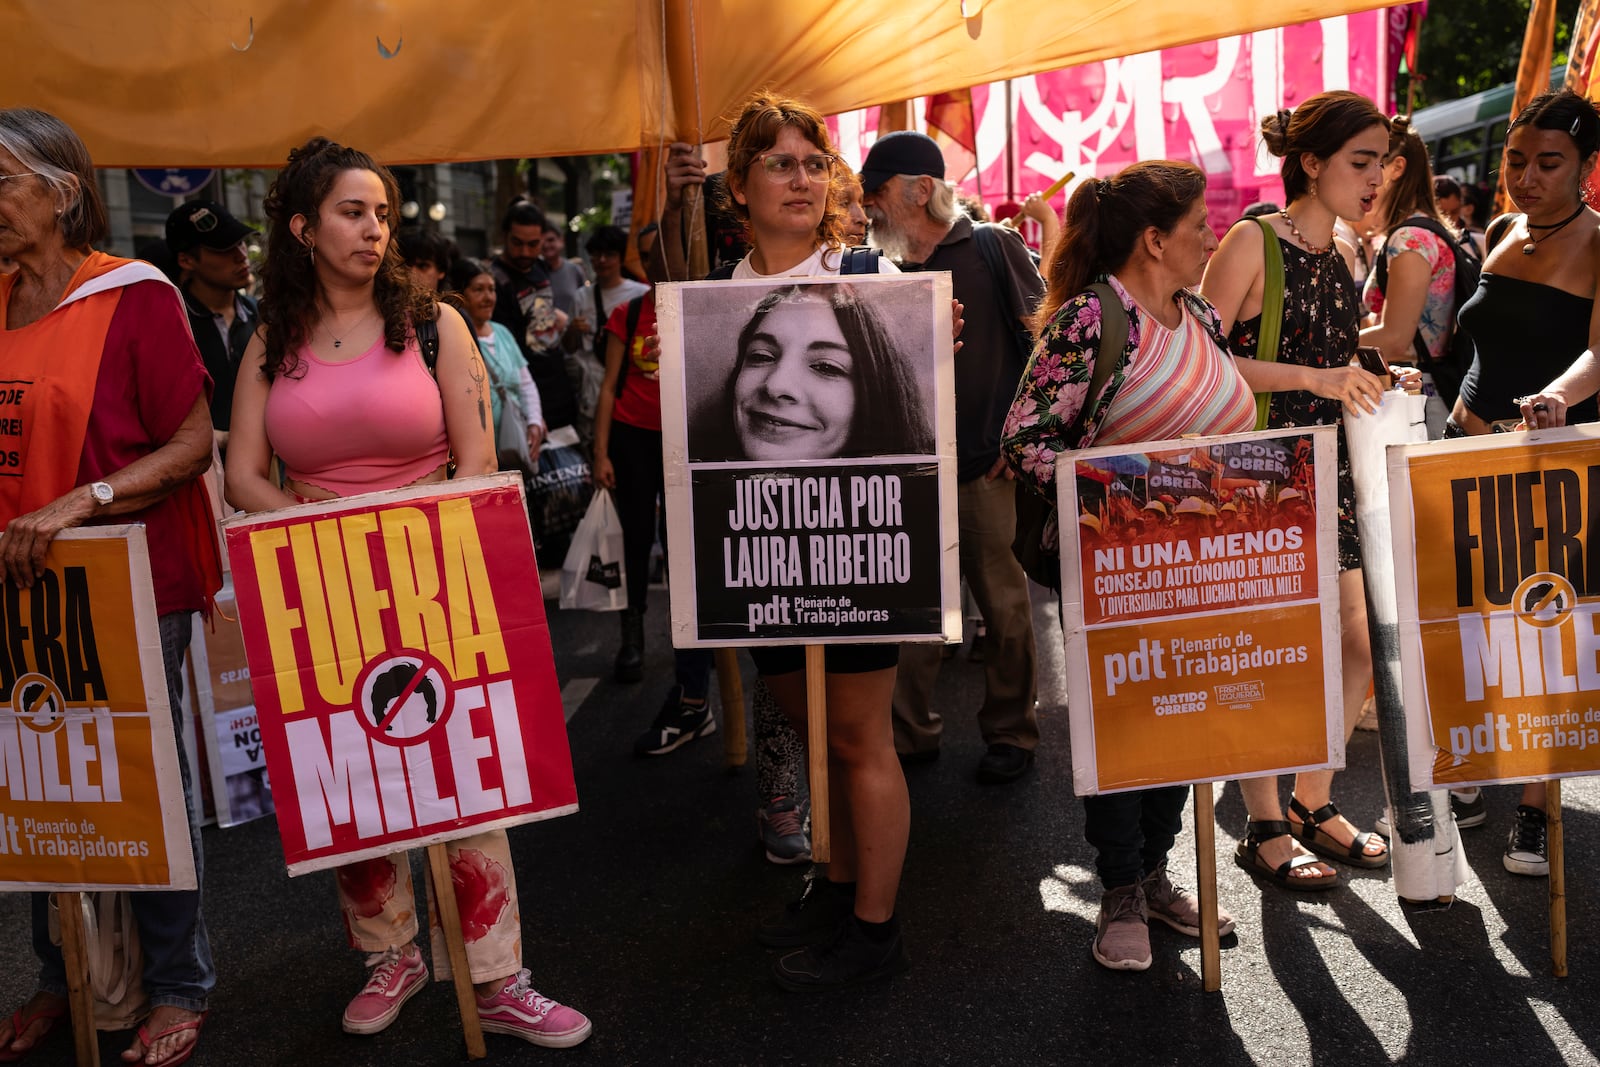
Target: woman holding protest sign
(121, 431)
(336, 386)
(1332, 147)
(783, 186)
(1142, 232)
(1535, 321)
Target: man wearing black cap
(210, 246)
(917, 222)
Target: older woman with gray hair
(116, 426)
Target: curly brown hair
(755, 130)
(289, 285)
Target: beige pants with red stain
(379, 905)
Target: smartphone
(1371, 360)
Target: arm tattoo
(476, 368)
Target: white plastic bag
(592, 576)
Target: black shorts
(840, 659)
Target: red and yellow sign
(91, 795)
(1200, 602)
(1499, 586)
(402, 670)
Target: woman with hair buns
(1332, 146)
(335, 386)
(1413, 311)
(1535, 319)
(1144, 233)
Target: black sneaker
(816, 916)
(1469, 813)
(676, 724)
(1003, 763)
(850, 958)
(1526, 852)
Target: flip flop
(20, 1024)
(146, 1039)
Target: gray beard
(890, 241)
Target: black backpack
(1450, 368)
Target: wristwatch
(101, 491)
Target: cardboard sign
(809, 432)
(1200, 602)
(225, 717)
(401, 665)
(91, 794)
(1498, 591)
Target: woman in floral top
(1417, 303)
(1143, 232)
(1332, 148)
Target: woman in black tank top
(1533, 320)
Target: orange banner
(91, 796)
(1498, 596)
(1200, 609)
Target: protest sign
(1498, 592)
(91, 792)
(225, 716)
(1200, 605)
(401, 665)
(809, 432)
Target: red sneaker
(519, 1010)
(397, 976)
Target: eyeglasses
(780, 167)
(14, 177)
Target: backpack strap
(1108, 354)
(1497, 230)
(635, 309)
(428, 335)
(1271, 313)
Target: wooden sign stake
(817, 751)
(1558, 878)
(731, 687)
(1205, 854)
(444, 896)
(80, 998)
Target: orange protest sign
(91, 796)
(1498, 592)
(1200, 609)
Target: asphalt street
(641, 909)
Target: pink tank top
(371, 423)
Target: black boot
(629, 666)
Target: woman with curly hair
(336, 387)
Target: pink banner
(1201, 102)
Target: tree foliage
(1468, 46)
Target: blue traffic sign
(174, 181)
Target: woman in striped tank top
(1144, 232)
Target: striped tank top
(1178, 382)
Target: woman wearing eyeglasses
(781, 184)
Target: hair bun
(1275, 131)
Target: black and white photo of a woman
(816, 375)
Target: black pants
(635, 455)
(1133, 832)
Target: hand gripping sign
(91, 794)
(401, 663)
(1201, 610)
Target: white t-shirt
(821, 262)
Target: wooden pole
(80, 998)
(1558, 878)
(817, 751)
(731, 687)
(444, 898)
(1205, 855)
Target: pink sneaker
(397, 976)
(519, 1010)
